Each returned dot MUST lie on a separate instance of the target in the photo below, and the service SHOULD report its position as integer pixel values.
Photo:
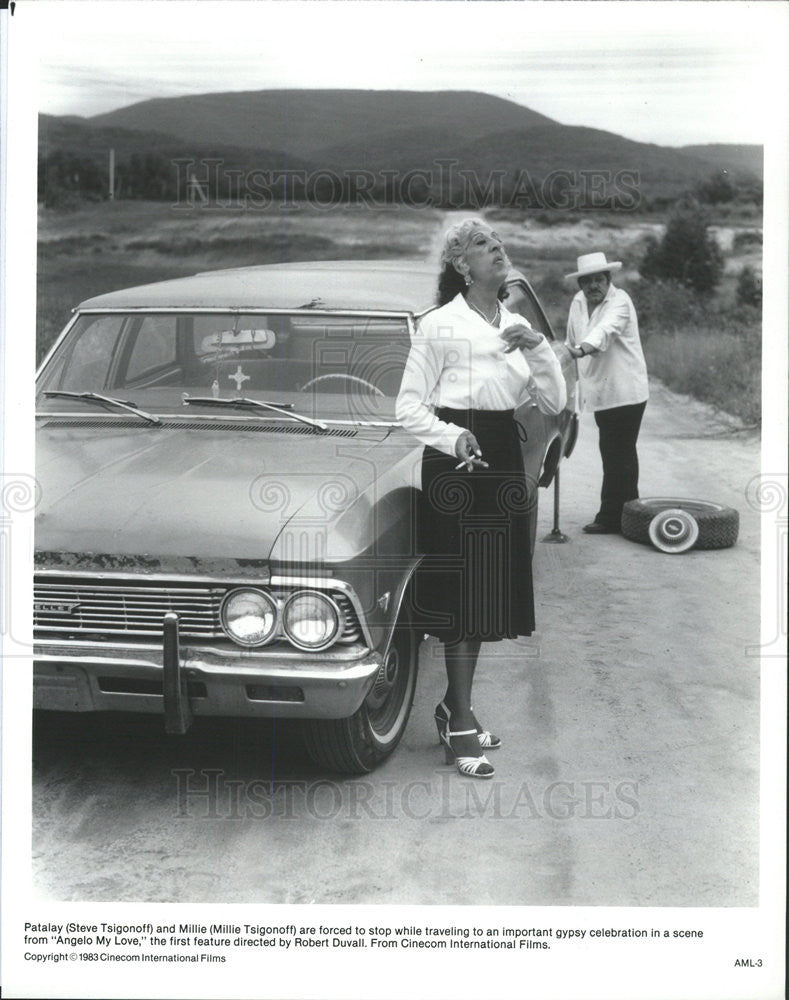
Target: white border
(608, 971)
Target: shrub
(687, 254)
(55, 195)
(556, 217)
(749, 287)
(717, 189)
(668, 306)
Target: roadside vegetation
(705, 343)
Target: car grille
(137, 610)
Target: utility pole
(112, 175)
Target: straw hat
(594, 263)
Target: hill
(79, 137)
(74, 156)
(389, 133)
(306, 121)
(737, 159)
(550, 154)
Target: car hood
(162, 495)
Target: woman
(471, 363)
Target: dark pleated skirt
(475, 579)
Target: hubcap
(385, 678)
(389, 699)
(673, 528)
(673, 531)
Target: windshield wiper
(123, 404)
(244, 401)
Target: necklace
(479, 312)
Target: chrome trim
(61, 336)
(214, 419)
(115, 607)
(176, 578)
(396, 615)
(331, 583)
(269, 598)
(337, 632)
(366, 423)
(246, 311)
(178, 582)
(334, 686)
(46, 647)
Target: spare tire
(718, 525)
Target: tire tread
(345, 745)
(329, 745)
(718, 529)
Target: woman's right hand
(469, 452)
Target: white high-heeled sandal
(474, 767)
(486, 739)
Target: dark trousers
(619, 428)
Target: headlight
(249, 617)
(311, 620)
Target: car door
(543, 436)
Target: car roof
(385, 285)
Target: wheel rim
(389, 698)
(673, 531)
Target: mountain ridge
(396, 132)
(303, 121)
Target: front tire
(358, 744)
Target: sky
(671, 73)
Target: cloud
(595, 64)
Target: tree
(687, 253)
(717, 189)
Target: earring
(468, 279)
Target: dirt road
(628, 776)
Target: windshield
(351, 365)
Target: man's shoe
(595, 528)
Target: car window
(154, 346)
(372, 351)
(221, 336)
(331, 360)
(520, 300)
(88, 356)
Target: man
(602, 330)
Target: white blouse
(617, 375)
(457, 360)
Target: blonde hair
(457, 239)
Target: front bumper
(73, 676)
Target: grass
(709, 349)
(723, 369)
(705, 347)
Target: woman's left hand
(518, 335)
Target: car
(227, 517)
